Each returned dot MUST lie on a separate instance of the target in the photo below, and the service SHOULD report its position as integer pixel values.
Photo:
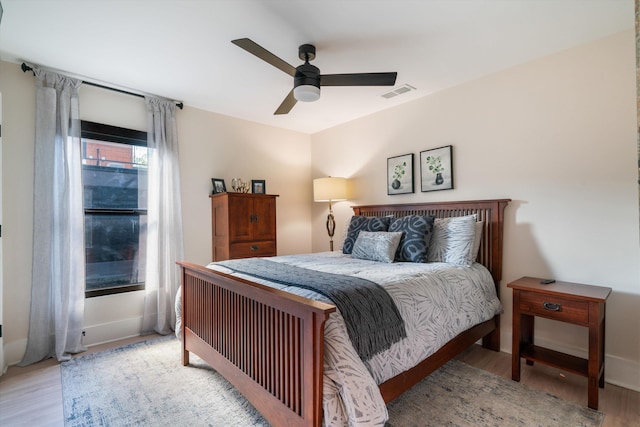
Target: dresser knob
(254, 247)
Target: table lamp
(330, 189)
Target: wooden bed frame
(269, 344)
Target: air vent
(399, 90)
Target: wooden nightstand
(566, 302)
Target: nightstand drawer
(554, 307)
(252, 249)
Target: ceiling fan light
(306, 93)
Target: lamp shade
(329, 189)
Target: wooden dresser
(243, 225)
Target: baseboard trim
(622, 372)
(14, 351)
(112, 331)
(94, 335)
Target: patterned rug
(144, 384)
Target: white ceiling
(181, 49)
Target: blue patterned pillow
(416, 234)
(376, 246)
(452, 240)
(363, 223)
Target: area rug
(144, 384)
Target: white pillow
(376, 245)
(477, 239)
(452, 240)
(345, 232)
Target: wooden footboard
(267, 343)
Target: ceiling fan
(307, 78)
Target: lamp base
(331, 228)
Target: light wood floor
(32, 396)
(620, 405)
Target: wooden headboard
(491, 212)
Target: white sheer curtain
(58, 269)
(164, 218)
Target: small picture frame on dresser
(218, 185)
(258, 186)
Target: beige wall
(223, 147)
(558, 136)
(211, 145)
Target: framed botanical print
(400, 174)
(436, 169)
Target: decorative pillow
(477, 239)
(452, 240)
(345, 231)
(363, 223)
(376, 245)
(416, 235)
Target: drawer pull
(254, 247)
(551, 306)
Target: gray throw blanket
(372, 318)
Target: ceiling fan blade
(358, 79)
(262, 53)
(287, 104)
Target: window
(114, 176)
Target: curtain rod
(179, 104)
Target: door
(264, 218)
(240, 218)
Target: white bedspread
(437, 301)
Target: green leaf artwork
(398, 170)
(435, 164)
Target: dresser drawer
(554, 307)
(252, 249)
